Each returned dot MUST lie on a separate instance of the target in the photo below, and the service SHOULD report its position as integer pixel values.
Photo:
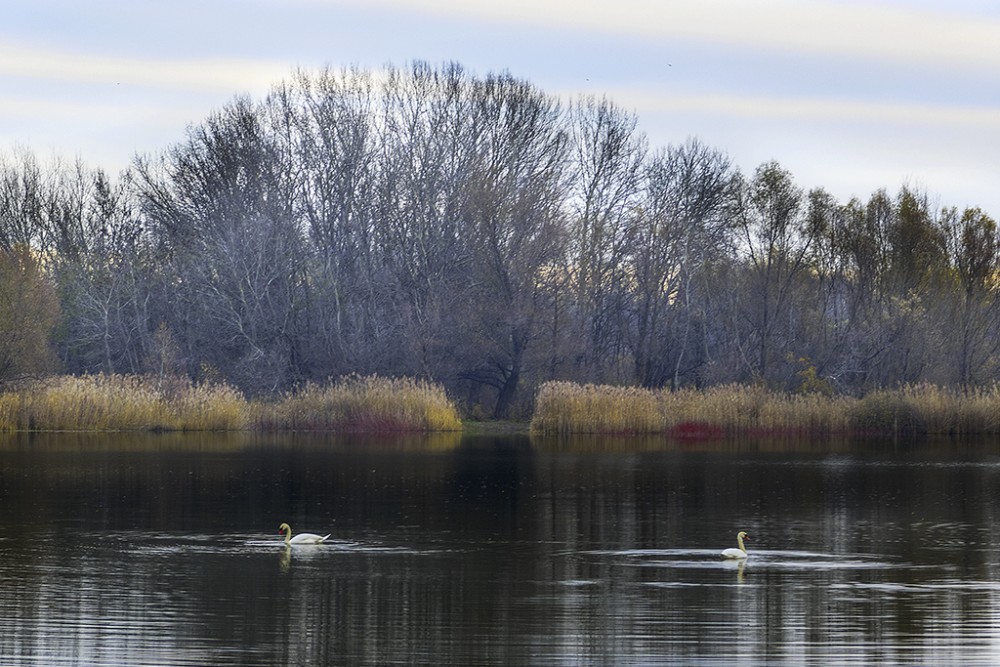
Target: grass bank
(563, 408)
(136, 403)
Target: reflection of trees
(493, 548)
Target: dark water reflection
(125, 550)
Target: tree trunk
(505, 400)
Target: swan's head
(742, 535)
(284, 528)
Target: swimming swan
(301, 538)
(737, 553)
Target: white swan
(301, 538)
(737, 553)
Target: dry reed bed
(134, 403)
(563, 407)
(121, 403)
(363, 404)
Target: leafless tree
(975, 249)
(513, 198)
(774, 242)
(222, 209)
(424, 220)
(335, 143)
(608, 152)
(681, 229)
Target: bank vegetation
(136, 403)
(734, 410)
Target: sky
(848, 95)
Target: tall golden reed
(136, 403)
(362, 404)
(10, 407)
(744, 408)
(121, 403)
(564, 407)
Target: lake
(164, 550)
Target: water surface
(163, 550)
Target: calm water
(495, 551)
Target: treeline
(482, 234)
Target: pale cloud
(856, 94)
(843, 29)
(809, 108)
(84, 117)
(203, 73)
(103, 132)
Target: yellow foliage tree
(29, 311)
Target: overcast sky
(850, 96)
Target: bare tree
(513, 205)
(911, 281)
(608, 153)
(335, 142)
(428, 141)
(23, 202)
(680, 230)
(106, 282)
(426, 221)
(221, 207)
(975, 249)
(774, 243)
(28, 314)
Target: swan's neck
(739, 539)
(288, 536)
